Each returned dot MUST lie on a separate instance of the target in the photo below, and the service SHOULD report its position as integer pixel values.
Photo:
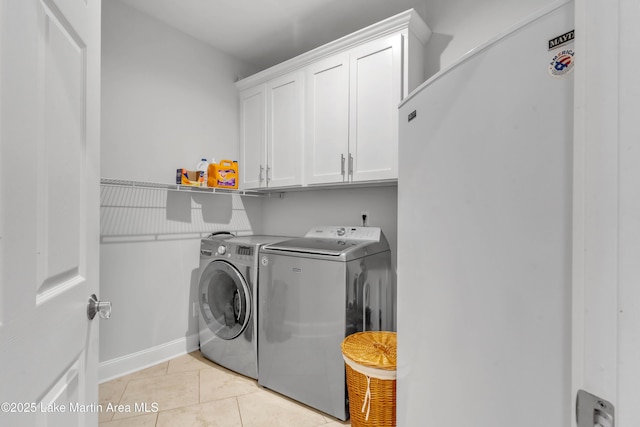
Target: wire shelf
(109, 182)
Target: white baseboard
(124, 365)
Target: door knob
(103, 308)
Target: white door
(49, 204)
(253, 133)
(376, 90)
(284, 130)
(606, 271)
(327, 120)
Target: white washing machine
(314, 291)
(227, 288)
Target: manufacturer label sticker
(412, 115)
(562, 62)
(561, 40)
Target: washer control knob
(222, 249)
(341, 231)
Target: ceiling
(267, 32)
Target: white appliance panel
(484, 210)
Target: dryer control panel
(345, 233)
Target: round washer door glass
(225, 301)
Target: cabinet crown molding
(407, 20)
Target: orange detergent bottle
(223, 174)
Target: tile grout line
(239, 412)
(165, 374)
(120, 398)
(143, 378)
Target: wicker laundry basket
(370, 361)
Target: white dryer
(227, 287)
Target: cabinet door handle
(260, 178)
(342, 164)
(350, 165)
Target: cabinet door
(376, 90)
(284, 130)
(253, 137)
(327, 120)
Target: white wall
(462, 25)
(606, 304)
(629, 205)
(167, 100)
(298, 211)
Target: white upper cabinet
(284, 130)
(331, 115)
(351, 114)
(271, 133)
(327, 120)
(376, 83)
(253, 137)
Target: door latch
(592, 411)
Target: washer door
(225, 300)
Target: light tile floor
(193, 391)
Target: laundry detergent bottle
(211, 173)
(223, 174)
(202, 168)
